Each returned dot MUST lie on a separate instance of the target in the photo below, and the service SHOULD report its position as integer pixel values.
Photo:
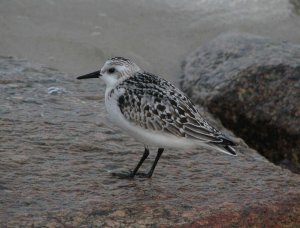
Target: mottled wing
(155, 104)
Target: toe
(124, 175)
(143, 175)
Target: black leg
(131, 174)
(145, 155)
(149, 174)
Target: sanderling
(154, 111)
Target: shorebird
(154, 112)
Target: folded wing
(156, 105)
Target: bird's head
(113, 70)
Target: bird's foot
(144, 175)
(124, 175)
(131, 175)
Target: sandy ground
(76, 36)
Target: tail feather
(226, 141)
(230, 149)
(227, 149)
(221, 143)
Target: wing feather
(155, 104)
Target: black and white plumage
(154, 111)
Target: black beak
(95, 74)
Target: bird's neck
(109, 81)
(112, 83)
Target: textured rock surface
(57, 153)
(253, 85)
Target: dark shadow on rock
(253, 85)
(296, 6)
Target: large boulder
(253, 85)
(57, 152)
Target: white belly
(147, 137)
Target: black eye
(111, 70)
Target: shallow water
(76, 36)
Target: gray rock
(253, 85)
(57, 155)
